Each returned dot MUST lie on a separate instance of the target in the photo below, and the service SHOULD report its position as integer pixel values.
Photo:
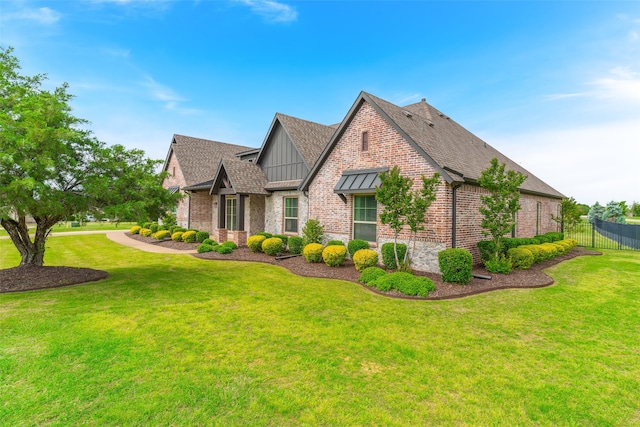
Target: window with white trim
(290, 214)
(231, 214)
(365, 210)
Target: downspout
(188, 210)
(454, 214)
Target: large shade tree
(51, 167)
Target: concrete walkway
(120, 237)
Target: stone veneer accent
(274, 211)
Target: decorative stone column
(221, 235)
(240, 238)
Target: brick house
(306, 170)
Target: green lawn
(88, 226)
(173, 340)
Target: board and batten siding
(282, 161)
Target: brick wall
(201, 211)
(175, 178)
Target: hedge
(455, 265)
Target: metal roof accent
(359, 181)
(173, 189)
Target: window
(365, 141)
(290, 214)
(232, 214)
(364, 217)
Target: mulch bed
(30, 278)
(532, 278)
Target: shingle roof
(245, 177)
(458, 154)
(198, 158)
(309, 138)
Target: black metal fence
(605, 235)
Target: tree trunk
(31, 252)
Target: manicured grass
(173, 340)
(88, 226)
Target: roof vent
(424, 99)
(406, 113)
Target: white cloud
(271, 11)
(591, 163)
(42, 15)
(622, 84)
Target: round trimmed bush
(255, 242)
(365, 258)
(272, 246)
(295, 244)
(313, 252)
(177, 236)
(154, 227)
(536, 251)
(406, 283)
(455, 265)
(223, 249)
(282, 237)
(521, 258)
(389, 257)
(162, 234)
(335, 243)
(370, 274)
(135, 229)
(230, 244)
(203, 247)
(265, 234)
(201, 236)
(334, 255)
(355, 245)
(146, 232)
(210, 242)
(189, 236)
(163, 227)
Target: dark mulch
(28, 278)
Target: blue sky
(555, 85)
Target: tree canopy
(51, 167)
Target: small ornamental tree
(500, 206)
(570, 213)
(402, 206)
(614, 212)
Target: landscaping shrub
(487, 249)
(295, 244)
(388, 256)
(154, 227)
(551, 250)
(162, 234)
(210, 242)
(189, 236)
(147, 225)
(455, 265)
(201, 236)
(230, 244)
(176, 229)
(312, 232)
(521, 258)
(355, 245)
(370, 274)
(555, 236)
(265, 234)
(203, 247)
(335, 243)
(536, 251)
(365, 258)
(285, 239)
(543, 239)
(255, 242)
(313, 252)
(272, 246)
(163, 227)
(223, 249)
(404, 282)
(146, 232)
(500, 265)
(177, 236)
(334, 255)
(135, 229)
